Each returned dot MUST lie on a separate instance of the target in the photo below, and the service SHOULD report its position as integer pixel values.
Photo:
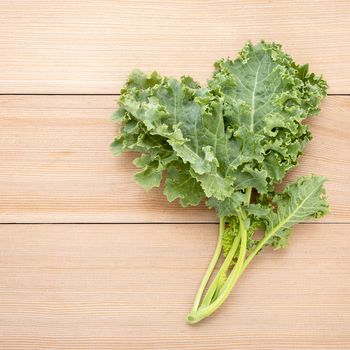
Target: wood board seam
(156, 223)
(99, 94)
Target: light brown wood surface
(94, 262)
(130, 287)
(89, 46)
(56, 165)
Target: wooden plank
(129, 287)
(89, 47)
(56, 165)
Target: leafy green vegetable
(229, 144)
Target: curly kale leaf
(242, 131)
(300, 201)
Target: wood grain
(76, 46)
(56, 166)
(129, 287)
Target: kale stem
(196, 316)
(224, 267)
(248, 194)
(210, 267)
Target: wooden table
(88, 260)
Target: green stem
(224, 267)
(248, 194)
(210, 267)
(201, 313)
